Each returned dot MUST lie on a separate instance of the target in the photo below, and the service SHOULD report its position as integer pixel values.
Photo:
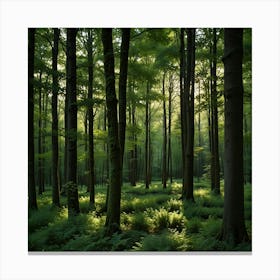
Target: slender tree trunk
(199, 136)
(86, 175)
(164, 151)
(134, 165)
(45, 169)
(40, 167)
(216, 179)
(188, 116)
(147, 151)
(55, 169)
(169, 156)
(90, 120)
(122, 87)
(113, 211)
(183, 103)
(72, 188)
(233, 229)
(32, 202)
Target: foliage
(151, 220)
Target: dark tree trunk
(55, 169)
(72, 188)
(32, 202)
(147, 145)
(40, 167)
(86, 175)
(164, 150)
(169, 157)
(199, 136)
(90, 120)
(215, 164)
(113, 210)
(122, 87)
(215, 119)
(188, 117)
(233, 230)
(45, 169)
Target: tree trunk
(215, 164)
(182, 101)
(32, 202)
(215, 119)
(72, 188)
(113, 212)
(40, 167)
(90, 120)
(122, 87)
(188, 117)
(147, 150)
(233, 230)
(164, 152)
(55, 169)
(169, 156)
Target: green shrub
(139, 222)
(166, 241)
(193, 225)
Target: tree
(113, 211)
(122, 87)
(164, 148)
(215, 164)
(233, 229)
(90, 119)
(71, 136)
(32, 202)
(55, 169)
(187, 112)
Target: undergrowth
(151, 220)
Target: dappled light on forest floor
(151, 220)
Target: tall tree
(122, 87)
(113, 210)
(147, 138)
(188, 116)
(55, 169)
(215, 164)
(169, 156)
(233, 229)
(40, 180)
(32, 202)
(164, 148)
(90, 118)
(71, 137)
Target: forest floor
(151, 220)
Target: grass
(151, 220)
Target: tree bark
(55, 169)
(164, 151)
(147, 138)
(169, 156)
(90, 120)
(188, 116)
(215, 118)
(122, 87)
(215, 164)
(113, 211)
(40, 167)
(72, 188)
(233, 229)
(32, 202)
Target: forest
(139, 139)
